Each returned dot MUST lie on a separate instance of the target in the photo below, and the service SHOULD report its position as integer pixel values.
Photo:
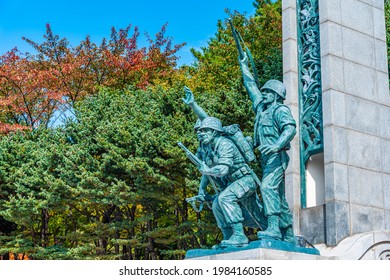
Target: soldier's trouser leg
(229, 198)
(270, 191)
(273, 193)
(229, 203)
(253, 212)
(226, 229)
(285, 213)
(219, 215)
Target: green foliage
(112, 183)
(215, 77)
(216, 66)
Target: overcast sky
(193, 22)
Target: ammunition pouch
(239, 173)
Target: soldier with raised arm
(236, 203)
(274, 128)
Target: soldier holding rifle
(273, 130)
(236, 203)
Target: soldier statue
(274, 128)
(236, 204)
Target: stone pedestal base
(262, 254)
(374, 245)
(259, 249)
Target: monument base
(374, 245)
(259, 249)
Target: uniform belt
(239, 173)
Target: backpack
(244, 144)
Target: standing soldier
(273, 130)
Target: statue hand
(203, 168)
(196, 198)
(244, 60)
(269, 149)
(189, 99)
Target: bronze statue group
(223, 159)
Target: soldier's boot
(272, 231)
(238, 237)
(288, 235)
(226, 233)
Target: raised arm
(190, 101)
(250, 83)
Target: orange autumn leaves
(33, 87)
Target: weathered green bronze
(273, 130)
(258, 244)
(310, 90)
(223, 162)
(224, 154)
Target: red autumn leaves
(33, 87)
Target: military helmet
(276, 86)
(197, 124)
(213, 123)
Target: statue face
(199, 135)
(207, 135)
(268, 96)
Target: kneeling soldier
(236, 204)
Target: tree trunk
(106, 219)
(150, 253)
(44, 227)
(118, 218)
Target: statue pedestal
(374, 245)
(258, 250)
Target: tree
(33, 87)
(29, 190)
(28, 97)
(110, 185)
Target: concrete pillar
(290, 79)
(356, 106)
(356, 119)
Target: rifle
(202, 199)
(238, 39)
(195, 160)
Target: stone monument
(223, 159)
(336, 73)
